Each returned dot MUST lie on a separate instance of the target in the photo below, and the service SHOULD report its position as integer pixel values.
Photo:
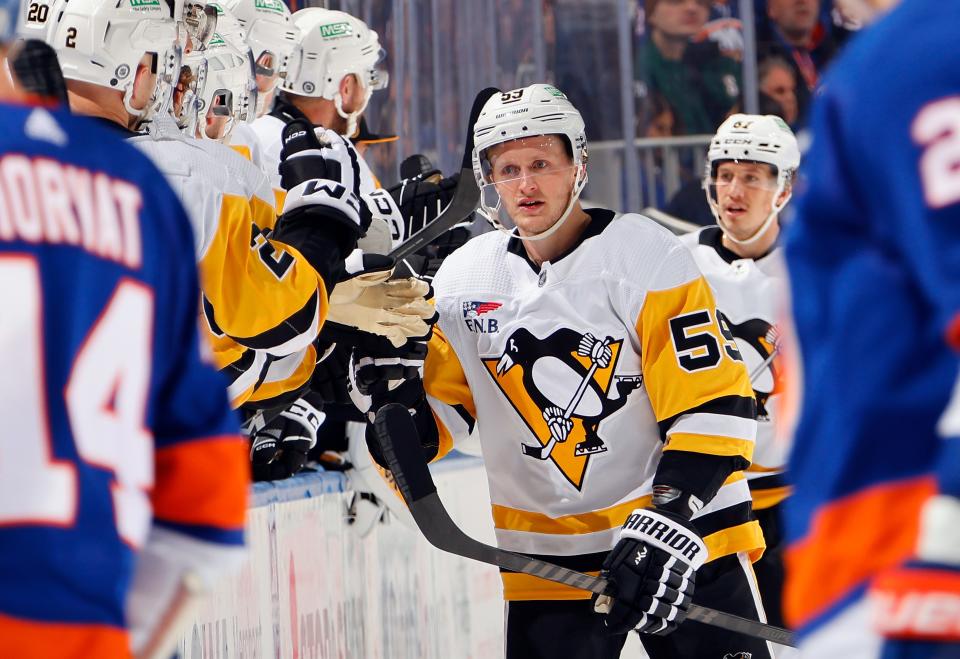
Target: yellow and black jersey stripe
(260, 293)
(445, 382)
(694, 374)
(768, 486)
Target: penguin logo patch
(759, 343)
(560, 386)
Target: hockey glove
(652, 572)
(320, 172)
(280, 449)
(421, 199)
(369, 301)
(389, 375)
(919, 602)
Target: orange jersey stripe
(848, 542)
(918, 604)
(29, 639)
(203, 482)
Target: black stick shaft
(400, 444)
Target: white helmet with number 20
(754, 138)
(532, 111)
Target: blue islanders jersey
(111, 421)
(874, 259)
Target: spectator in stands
(655, 119)
(778, 83)
(724, 27)
(795, 31)
(700, 84)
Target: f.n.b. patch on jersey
(474, 317)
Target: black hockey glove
(392, 375)
(320, 172)
(421, 199)
(280, 449)
(652, 573)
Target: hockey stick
(163, 639)
(400, 444)
(466, 198)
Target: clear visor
(726, 175)
(506, 165)
(746, 180)
(185, 93)
(201, 24)
(524, 176)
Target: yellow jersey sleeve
(260, 293)
(447, 391)
(698, 386)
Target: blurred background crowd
(664, 72)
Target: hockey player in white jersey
(237, 276)
(585, 347)
(272, 37)
(330, 77)
(262, 294)
(751, 163)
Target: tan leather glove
(370, 302)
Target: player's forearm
(687, 478)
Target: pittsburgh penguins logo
(560, 387)
(759, 343)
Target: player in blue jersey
(874, 259)
(122, 477)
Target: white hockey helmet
(269, 29)
(102, 43)
(38, 18)
(765, 139)
(539, 109)
(332, 45)
(224, 70)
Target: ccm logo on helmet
(669, 535)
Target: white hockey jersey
(579, 376)
(268, 130)
(271, 372)
(244, 141)
(257, 294)
(750, 294)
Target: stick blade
(400, 445)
